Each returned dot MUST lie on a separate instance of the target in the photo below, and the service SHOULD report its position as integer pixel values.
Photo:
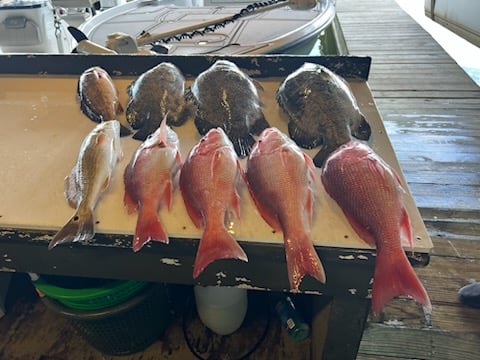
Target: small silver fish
(322, 110)
(89, 178)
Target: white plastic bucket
(221, 309)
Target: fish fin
(257, 84)
(188, 111)
(148, 228)
(242, 178)
(363, 131)
(189, 97)
(88, 111)
(259, 124)
(309, 208)
(105, 184)
(302, 259)
(361, 231)
(394, 276)
(118, 108)
(235, 204)
(321, 156)
(202, 126)
(80, 227)
(270, 219)
(194, 214)
(146, 130)
(406, 229)
(167, 194)
(125, 128)
(304, 139)
(242, 144)
(216, 243)
(178, 160)
(312, 174)
(129, 202)
(100, 139)
(72, 193)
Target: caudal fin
(216, 244)
(148, 228)
(394, 276)
(302, 259)
(80, 227)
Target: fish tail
(364, 130)
(242, 144)
(216, 244)
(302, 259)
(80, 227)
(394, 276)
(148, 228)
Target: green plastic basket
(107, 295)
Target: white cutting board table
(43, 127)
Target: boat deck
(431, 110)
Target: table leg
(345, 327)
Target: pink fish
(281, 178)
(208, 182)
(148, 182)
(370, 194)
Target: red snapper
(369, 192)
(208, 182)
(281, 180)
(149, 179)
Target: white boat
(460, 16)
(32, 26)
(226, 27)
(276, 28)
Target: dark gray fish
(227, 98)
(157, 93)
(98, 97)
(322, 110)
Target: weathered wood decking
(431, 110)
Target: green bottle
(291, 319)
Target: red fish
(281, 178)
(148, 182)
(208, 182)
(370, 193)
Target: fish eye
(149, 136)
